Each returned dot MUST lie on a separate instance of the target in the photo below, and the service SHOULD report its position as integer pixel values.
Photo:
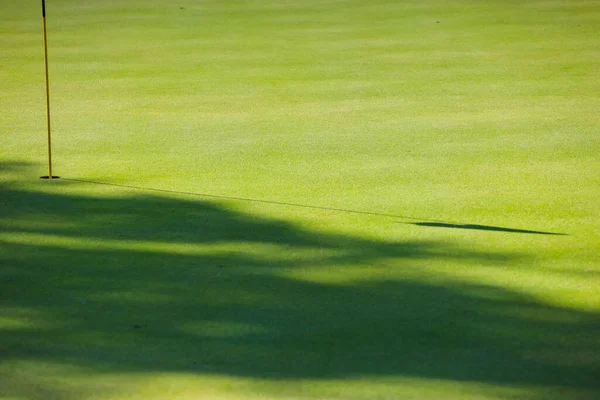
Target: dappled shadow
(155, 284)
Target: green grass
(470, 124)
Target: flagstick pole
(50, 176)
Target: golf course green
(300, 200)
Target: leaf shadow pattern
(155, 284)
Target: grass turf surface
(474, 123)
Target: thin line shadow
(424, 222)
(281, 203)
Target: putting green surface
(275, 199)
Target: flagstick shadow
(483, 228)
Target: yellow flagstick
(50, 176)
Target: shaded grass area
(146, 284)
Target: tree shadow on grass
(140, 284)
